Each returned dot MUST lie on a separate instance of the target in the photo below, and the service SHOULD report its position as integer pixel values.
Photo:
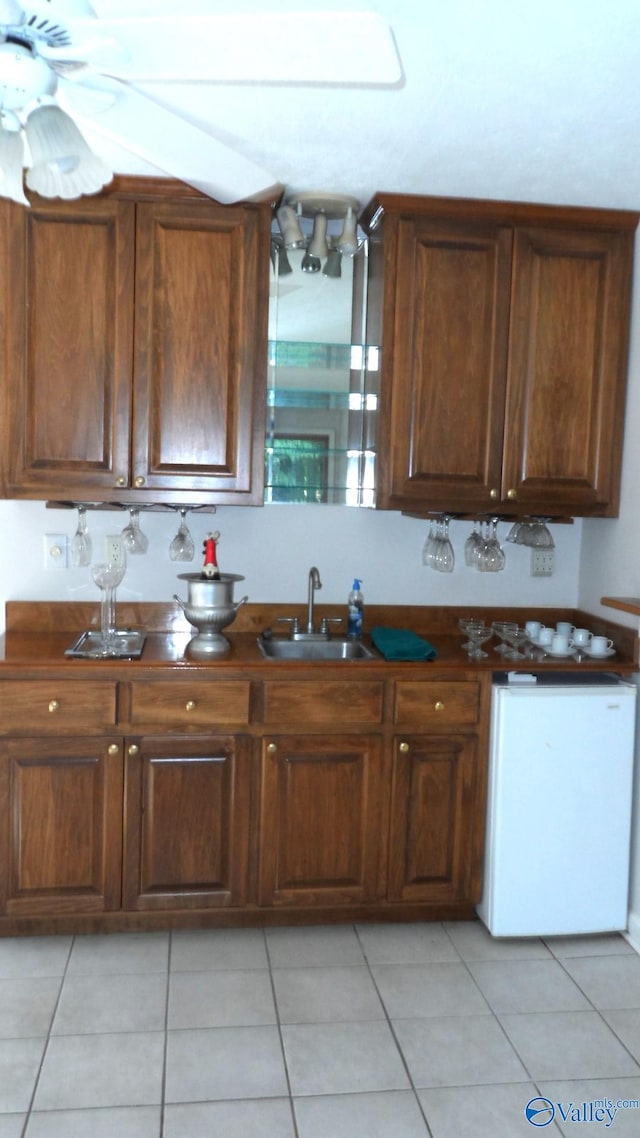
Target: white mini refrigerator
(559, 807)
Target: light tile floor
(368, 1031)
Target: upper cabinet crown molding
(135, 346)
(504, 330)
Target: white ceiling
(502, 99)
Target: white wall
(274, 547)
(610, 563)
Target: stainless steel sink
(278, 648)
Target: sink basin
(334, 649)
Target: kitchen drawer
(308, 703)
(423, 704)
(56, 707)
(192, 703)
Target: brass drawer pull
(139, 481)
(438, 705)
(133, 750)
(54, 705)
(493, 494)
(271, 748)
(190, 705)
(121, 480)
(404, 747)
(113, 749)
(512, 494)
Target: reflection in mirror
(322, 387)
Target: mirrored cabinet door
(322, 385)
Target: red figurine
(210, 568)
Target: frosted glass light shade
(348, 240)
(292, 234)
(62, 164)
(11, 163)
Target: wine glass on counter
(108, 575)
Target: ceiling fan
(65, 63)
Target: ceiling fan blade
(176, 146)
(332, 47)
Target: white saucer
(561, 655)
(599, 655)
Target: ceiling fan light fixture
(62, 163)
(24, 77)
(11, 163)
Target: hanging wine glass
(81, 541)
(135, 541)
(182, 547)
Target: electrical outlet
(114, 548)
(542, 562)
(56, 551)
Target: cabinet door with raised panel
(567, 370)
(66, 287)
(320, 820)
(432, 818)
(444, 358)
(200, 356)
(187, 803)
(61, 826)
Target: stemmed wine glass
(478, 635)
(135, 541)
(107, 576)
(81, 541)
(182, 547)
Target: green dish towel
(400, 644)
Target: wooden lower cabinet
(321, 820)
(187, 803)
(433, 803)
(61, 805)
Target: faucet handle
(292, 620)
(326, 621)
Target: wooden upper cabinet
(67, 293)
(135, 359)
(199, 393)
(504, 332)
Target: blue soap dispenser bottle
(356, 607)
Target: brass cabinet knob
(54, 705)
(272, 748)
(404, 747)
(190, 705)
(121, 480)
(113, 749)
(139, 480)
(133, 750)
(512, 494)
(493, 493)
(438, 705)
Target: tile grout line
(47, 1040)
(163, 1085)
(394, 1036)
(280, 1035)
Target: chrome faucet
(314, 583)
(310, 632)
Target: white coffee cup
(582, 637)
(545, 637)
(561, 643)
(600, 645)
(533, 629)
(564, 627)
